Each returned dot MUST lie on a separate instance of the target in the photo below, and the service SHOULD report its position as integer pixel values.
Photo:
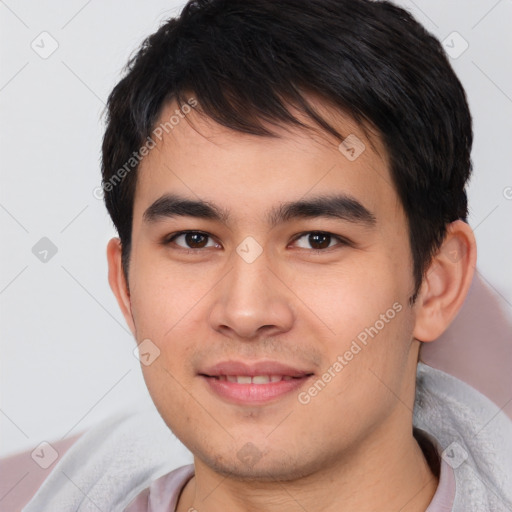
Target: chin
(249, 464)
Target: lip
(253, 369)
(253, 394)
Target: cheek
(368, 323)
(162, 297)
(166, 303)
(353, 296)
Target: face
(273, 277)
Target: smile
(257, 379)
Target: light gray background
(66, 354)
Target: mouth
(253, 384)
(257, 379)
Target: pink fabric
(444, 497)
(21, 477)
(445, 492)
(162, 495)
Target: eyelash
(341, 240)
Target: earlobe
(446, 282)
(117, 281)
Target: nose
(251, 301)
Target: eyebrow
(339, 206)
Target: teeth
(257, 379)
(261, 379)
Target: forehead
(198, 158)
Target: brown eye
(196, 240)
(192, 240)
(319, 240)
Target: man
(288, 184)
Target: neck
(386, 471)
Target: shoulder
(111, 463)
(475, 436)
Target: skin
(351, 447)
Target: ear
(446, 282)
(117, 281)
